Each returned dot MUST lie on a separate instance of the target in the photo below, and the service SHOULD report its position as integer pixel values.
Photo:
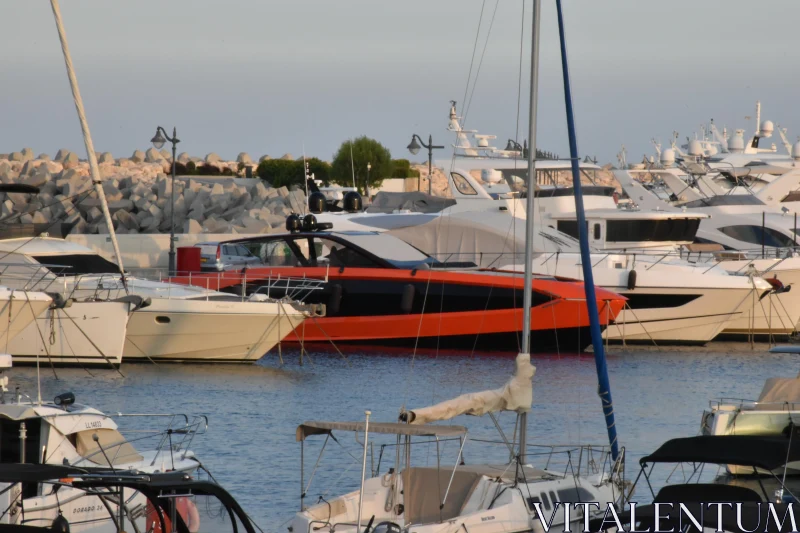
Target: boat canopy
(768, 453)
(779, 390)
(321, 427)
(515, 395)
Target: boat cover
(419, 202)
(321, 427)
(515, 395)
(779, 390)
(420, 483)
(768, 453)
(470, 237)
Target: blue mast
(604, 389)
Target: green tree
(401, 168)
(280, 172)
(364, 150)
(320, 169)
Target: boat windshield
(388, 248)
(77, 264)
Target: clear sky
(269, 77)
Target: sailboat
(483, 497)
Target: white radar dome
(796, 151)
(736, 144)
(767, 127)
(695, 148)
(490, 175)
(668, 157)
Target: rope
(87, 137)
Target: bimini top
(767, 453)
(316, 427)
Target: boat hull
(207, 331)
(84, 334)
(444, 309)
(19, 310)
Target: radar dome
(711, 150)
(796, 151)
(490, 175)
(767, 127)
(736, 144)
(695, 148)
(668, 157)
(483, 143)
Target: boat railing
(740, 404)
(177, 437)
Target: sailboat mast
(604, 389)
(87, 137)
(529, 207)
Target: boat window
(724, 199)
(758, 235)
(596, 231)
(570, 227)
(462, 185)
(673, 229)
(336, 254)
(576, 494)
(279, 254)
(553, 498)
(118, 450)
(531, 501)
(545, 501)
(77, 264)
(242, 251)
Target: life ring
(152, 520)
(188, 511)
(184, 506)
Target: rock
(264, 157)
(138, 156)
(18, 199)
(155, 212)
(195, 159)
(212, 158)
(184, 158)
(192, 226)
(62, 154)
(297, 202)
(164, 187)
(112, 193)
(283, 192)
(15, 156)
(43, 157)
(105, 158)
(71, 160)
(288, 157)
(120, 205)
(37, 179)
(244, 157)
(79, 228)
(27, 154)
(94, 214)
(153, 156)
(39, 217)
(3, 157)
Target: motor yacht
(20, 309)
(175, 323)
(380, 290)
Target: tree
(364, 150)
(281, 172)
(401, 168)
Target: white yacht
(174, 323)
(19, 310)
(63, 432)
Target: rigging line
(416, 341)
(480, 63)
(519, 77)
(472, 61)
(44, 344)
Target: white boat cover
(323, 427)
(779, 390)
(515, 395)
(419, 202)
(470, 237)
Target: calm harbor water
(250, 446)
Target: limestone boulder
(71, 160)
(264, 157)
(120, 205)
(111, 191)
(138, 156)
(15, 156)
(184, 158)
(244, 157)
(27, 154)
(212, 158)
(43, 157)
(61, 154)
(192, 226)
(105, 159)
(153, 156)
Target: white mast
(87, 137)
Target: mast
(604, 389)
(529, 218)
(87, 137)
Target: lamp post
(414, 147)
(366, 185)
(158, 141)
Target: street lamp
(366, 187)
(414, 147)
(158, 141)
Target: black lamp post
(158, 141)
(414, 147)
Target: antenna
(305, 176)
(352, 167)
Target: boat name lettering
(486, 518)
(84, 509)
(95, 424)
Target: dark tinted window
(336, 254)
(678, 229)
(570, 227)
(596, 231)
(725, 199)
(545, 501)
(577, 494)
(77, 264)
(757, 234)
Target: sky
(269, 77)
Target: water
(254, 410)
